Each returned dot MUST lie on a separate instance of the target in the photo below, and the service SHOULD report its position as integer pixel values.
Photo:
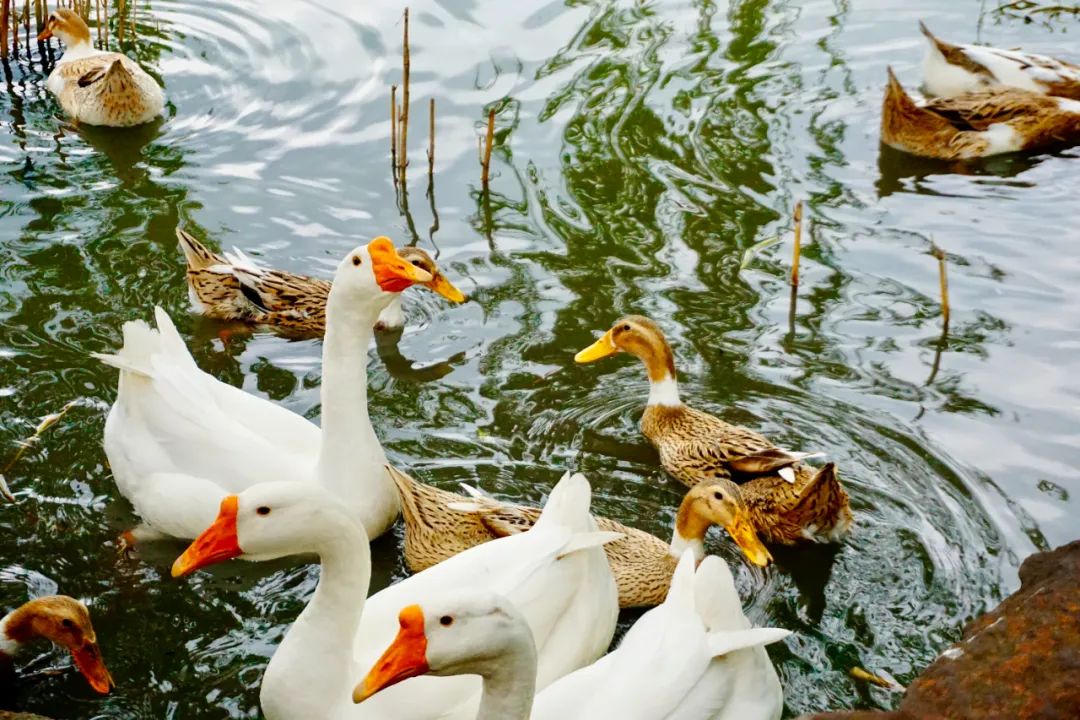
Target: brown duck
(231, 286)
(784, 500)
(440, 524)
(977, 124)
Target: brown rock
(1020, 661)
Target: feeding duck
(61, 620)
(555, 573)
(96, 87)
(440, 524)
(694, 657)
(231, 286)
(950, 70)
(178, 439)
(786, 500)
(977, 124)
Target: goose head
(462, 633)
(269, 521)
(716, 503)
(63, 621)
(68, 26)
(375, 271)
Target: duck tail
(904, 123)
(197, 255)
(715, 597)
(825, 501)
(141, 343)
(117, 78)
(728, 641)
(411, 507)
(568, 504)
(937, 43)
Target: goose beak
(392, 272)
(444, 287)
(602, 348)
(88, 660)
(405, 658)
(744, 535)
(217, 543)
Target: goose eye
(263, 510)
(68, 623)
(446, 620)
(357, 260)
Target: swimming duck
(61, 620)
(950, 70)
(178, 439)
(96, 87)
(440, 524)
(786, 500)
(555, 573)
(694, 657)
(232, 286)
(977, 124)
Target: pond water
(641, 148)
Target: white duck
(96, 87)
(950, 70)
(694, 657)
(556, 573)
(179, 440)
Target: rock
(1021, 660)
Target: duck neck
(312, 672)
(690, 529)
(660, 365)
(76, 48)
(351, 459)
(509, 684)
(9, 646)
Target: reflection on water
(642, 147)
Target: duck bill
(45, 34)
(217, 543)
(88, 660)
(744, 535)
(444, 287)
(602, 348)
(405, 658)
(393, 273)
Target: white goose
(694, 657)
(556, 573)
(950, 70)
(179, 440)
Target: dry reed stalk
(796, 252)
(431, 138)
(4, 14)
(121, 15)
(944, 280)
(46, 422)
(403, 157)
(37, 16)
(97, 16)
(489, 140)
(393, 128)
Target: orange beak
(88, 660)
(46, 33)
(405, 658)
(392, 272)
(444, 287)
(744, 535)
(217, 543)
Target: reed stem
(796, 252)
(393, 129)
(944, 280)
(489, 140)
(403, 157)
(5, 12)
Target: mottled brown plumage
(232, 287)
(977, 124)
(440, 524)
(785, 500)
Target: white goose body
(178, 440)
(556, 572)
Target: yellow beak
(744, 535)
(444, 287)
(600, 349)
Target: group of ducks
(511, 608)
(984, 101)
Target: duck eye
(446, 620)
(357, 260)
(718, 495)
(68, 623)
(625, 328)
(263, 510)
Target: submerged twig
(489, 140)
(5, 491)
(46, 422)
(859, 674)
